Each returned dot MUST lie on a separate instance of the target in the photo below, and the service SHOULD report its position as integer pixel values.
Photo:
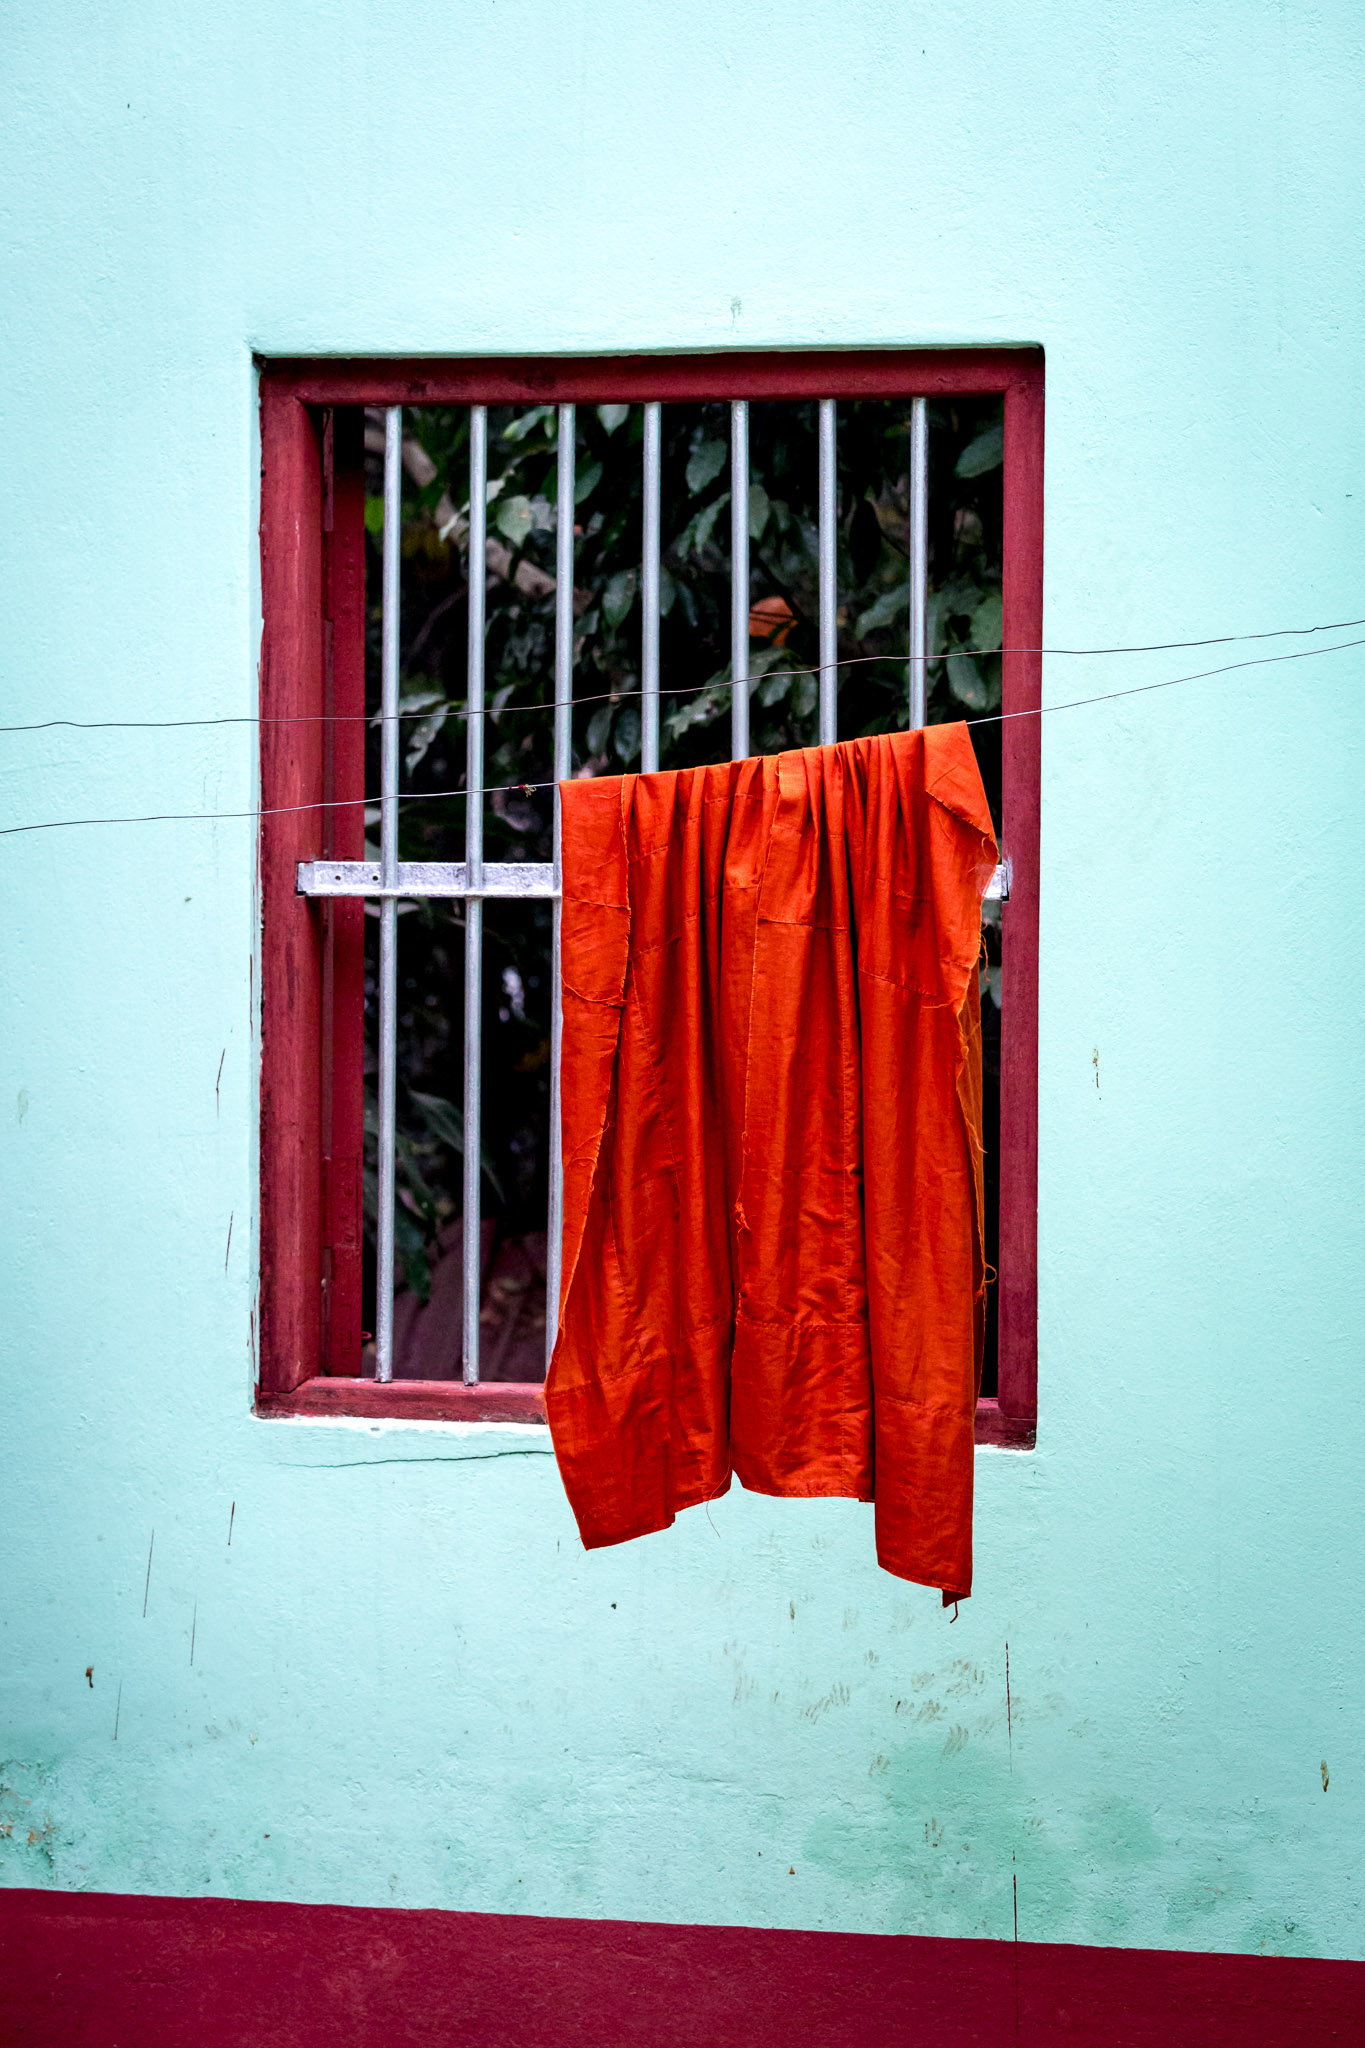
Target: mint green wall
(408, 1684)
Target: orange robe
(772, 1140)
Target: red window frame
(312, 744)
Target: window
(922, 471)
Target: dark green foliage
(965, 538)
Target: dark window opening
(965, 577)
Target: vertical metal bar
(919, 562)
(829, 577)
(563, 743)
(473, 909)
(649, 592)
(739, 579)
(388, 908)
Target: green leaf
(668, 591)
(702, 709)
(758, 511)
(374, 517)
(805, 692)
(514, 519)
(959, 598)
(527, 423)
(411, 1178)
(892, 608)
(443, 1119)
(967, 683)
(988, 622)
(773, 689)
(599, 725)
(421, 736)
(987, 451)
(587, 481)
(411, 1245)
(626, 738)
(446, 1122)
(410, 701)
(619, 596)
(612, 416)
(706, 462)
(706, 521)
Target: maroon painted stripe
(103, 1971)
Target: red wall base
(99, 1971)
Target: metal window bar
(473, 880)
(649, 591)
(470, 1231)
(388, 865)
(564, 511)
(829, 574)
(739, 580)
(919, 562)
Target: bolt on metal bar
(649, 592)
(739, 579)
(563, 763)
(388, 909)
(473, 916)
(919, 562)
(829, 577)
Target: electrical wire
(530, 788)
(684, 690)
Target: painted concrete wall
(402, 1680)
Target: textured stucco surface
(408, 1684)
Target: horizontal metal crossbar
(515, 879)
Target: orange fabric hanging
(772, 1140)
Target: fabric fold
(773, 1189)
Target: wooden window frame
(312, 699)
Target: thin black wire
(683, 690)
(530, 788)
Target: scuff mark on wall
(1009, 1709)
(28, 1833)
(837, 1696)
